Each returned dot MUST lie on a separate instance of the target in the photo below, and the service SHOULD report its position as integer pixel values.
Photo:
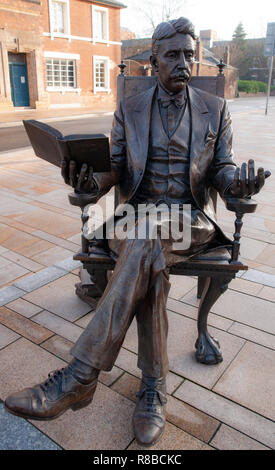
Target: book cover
(50, 145)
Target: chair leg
(201, 283)
(92, 285)
(207, 347)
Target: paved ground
(228, 406)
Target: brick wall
(22, 24)
(86, 50)
(231, 78)
(20, 15)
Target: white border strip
(81, 38)
(61, 55)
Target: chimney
(227, 55)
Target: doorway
(19, 79)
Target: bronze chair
(214, 268)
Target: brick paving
(227, 406)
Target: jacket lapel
(141, 116)
(200, 119)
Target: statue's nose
(182, 62)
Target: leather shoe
(149, 417)
(53, 397)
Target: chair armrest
(240, 206)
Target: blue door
(19, 84)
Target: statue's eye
(189, 55)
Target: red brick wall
(78, 11)
(12, 15)
(231, 78)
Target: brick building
(57, 53)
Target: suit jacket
(211, 157)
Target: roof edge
(110, 3)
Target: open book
(48, 143)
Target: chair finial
(221, 66)
(122, 66)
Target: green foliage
(239, 33)
(250, 86)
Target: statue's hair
(168, 29)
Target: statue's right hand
(82, 181)
(68, 172)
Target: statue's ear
(154, 63)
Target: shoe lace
(151, 399)
(53, 378)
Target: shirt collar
(163, 93)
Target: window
(100, 23)
(101, 74)
(61, 73)
(59, 16)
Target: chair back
(128, 85)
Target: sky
(220, 15)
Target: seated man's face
(174, 61)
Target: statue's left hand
(246, 182)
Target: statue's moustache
(183, 74)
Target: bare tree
(156, 11)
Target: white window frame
(106, 11)
(67, 22)
(107, 72)
(64, 56)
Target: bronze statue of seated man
(169, 145)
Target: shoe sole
(75, 407)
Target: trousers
(139, 288)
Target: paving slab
(181, 351)
(247, 287)
(106, 424)
(174, 439)
(192, 312)
(190, 419)
(268, 293)
(59, 297)
(230, 413)
(9, 293)
(41, 278)
(7, 336)
(260, 277)
(59, 346)
(250, 380)
(230, 439)
(128, 386)
(68, 264)
(10, 272)
(23, 326)
(18, 434)
(70, 245)
(23, 364)
(45, 220)
(58, 325)
(252, 334)
(180, 285)
(246, 309)
(24, 307)
(108, 378)
(22, 261)
(52, 256)
(127, 361)
(84, 321)
(23, 243)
